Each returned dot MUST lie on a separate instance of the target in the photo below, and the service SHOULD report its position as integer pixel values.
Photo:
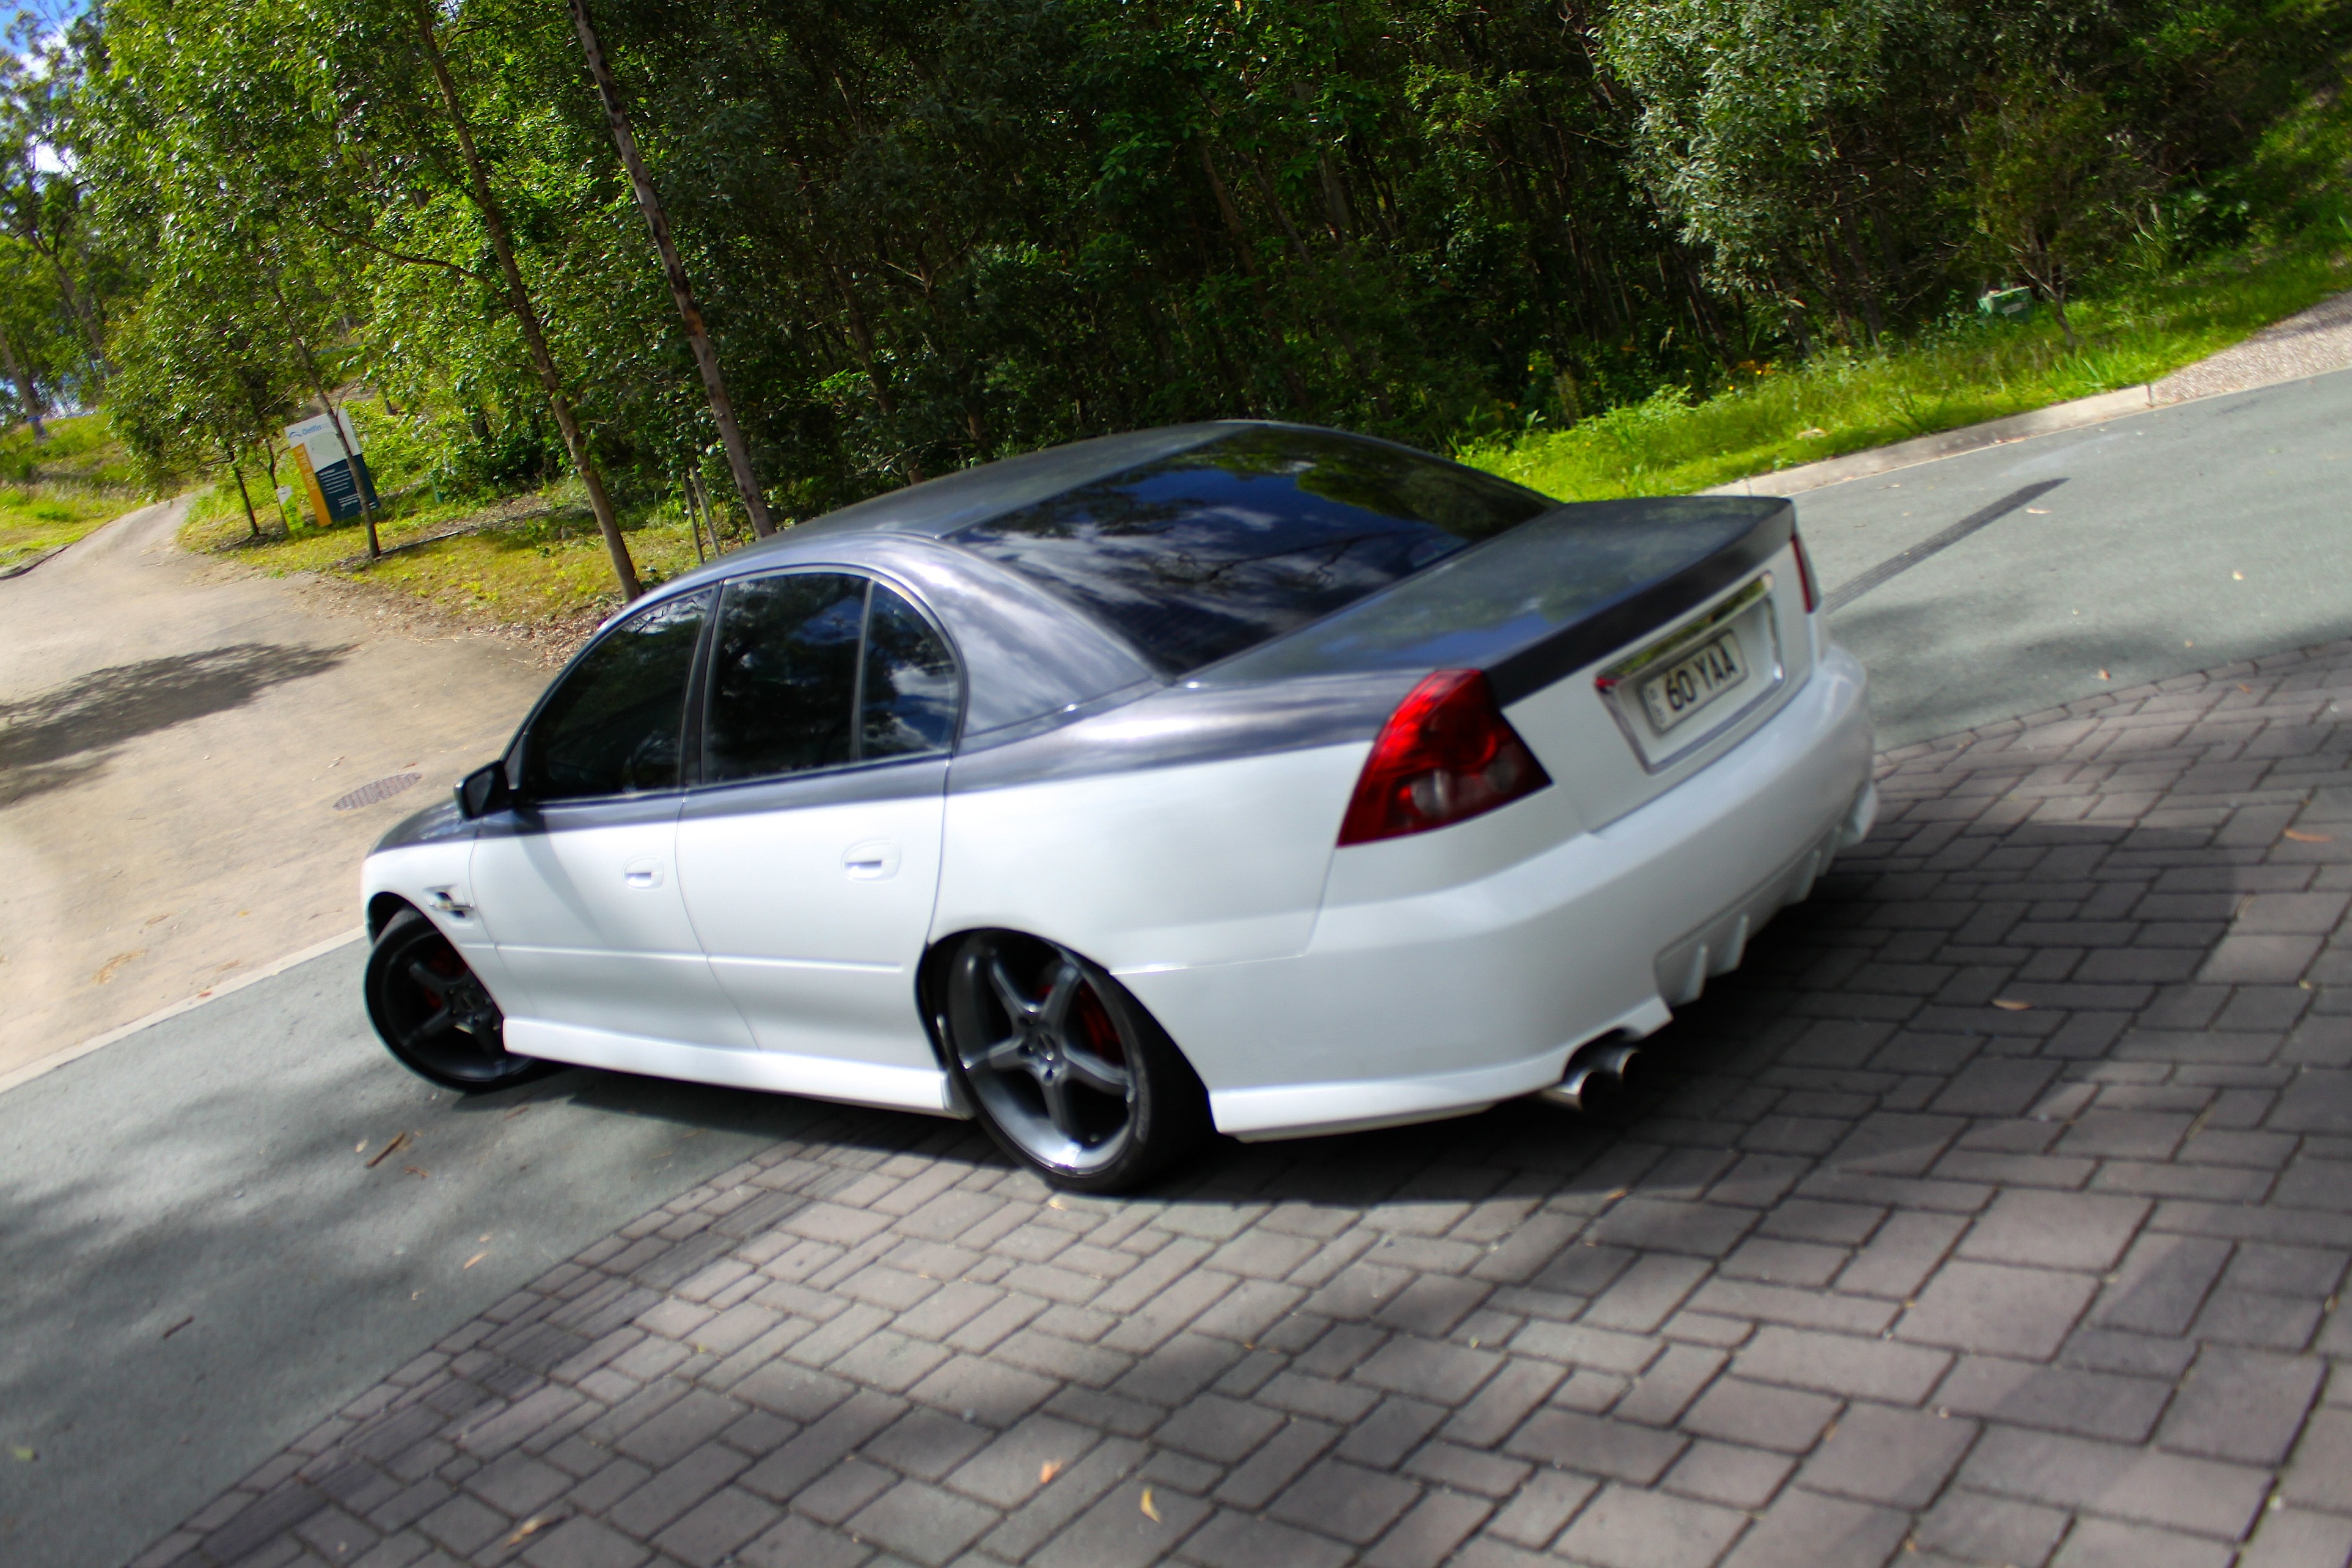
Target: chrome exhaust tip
(1595, 1075)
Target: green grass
(1957, 374)
(529, 560)
(52, 492)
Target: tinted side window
(784, 682)
(908, 700)
(613, 725)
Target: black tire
(1068, 1073)
(433, 1015)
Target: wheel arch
(930, 993)
(381, 910)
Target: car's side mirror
(484, 791)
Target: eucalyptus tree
(31, 319)
(370, 128)
(924, 233)
(625, 141)
(41, 191)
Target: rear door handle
(872, 861)
(646, 872)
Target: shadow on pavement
(97, 712)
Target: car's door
(577, 883)
(810, 852)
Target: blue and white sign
(335, 483)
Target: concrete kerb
(2048, 421)
(2310, 343)
(254, 976)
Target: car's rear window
(1200, 555)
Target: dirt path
(173, 741)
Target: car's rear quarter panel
(1209, 863)
(1474, 965)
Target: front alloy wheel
(433, 1012)
(1067, 1070)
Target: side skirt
(923, 1089)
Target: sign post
(335, 485)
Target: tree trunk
(722, 410)
(526, 313)
(1239, 236)
(251, 522)
(92, 332)
(270, 460)
(25, 392)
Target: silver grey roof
(938, 507)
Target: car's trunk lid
(1630, 642)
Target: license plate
(1694, 680)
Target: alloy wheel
(1054, 1062)
(435, 1013)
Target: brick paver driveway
(1995, 1213)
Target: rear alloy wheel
(1067, 1071)
(434, 1015)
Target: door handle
(643, 873)
(872, 861)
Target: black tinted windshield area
(1202, 554)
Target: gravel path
(2308, 343)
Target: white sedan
(1242, 777)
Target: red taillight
(1805, 573)
(1446, 753)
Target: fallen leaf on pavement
(27, 1454)
(105, 975)
(400, 1141)
(2008, 1005)
(1150, 1509)
(529, 1527)
(1048, 1470)
(476, 1258)
(2302, 837)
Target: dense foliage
(929, 232)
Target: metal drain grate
(382, 789)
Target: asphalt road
(154, 1353)
(2182, 539)
(197, 1255)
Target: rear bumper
(1441, 1003)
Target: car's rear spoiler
(1549, 596)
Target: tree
(494, 223)
(40, 192)
(722, 409)
(2051, 180)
